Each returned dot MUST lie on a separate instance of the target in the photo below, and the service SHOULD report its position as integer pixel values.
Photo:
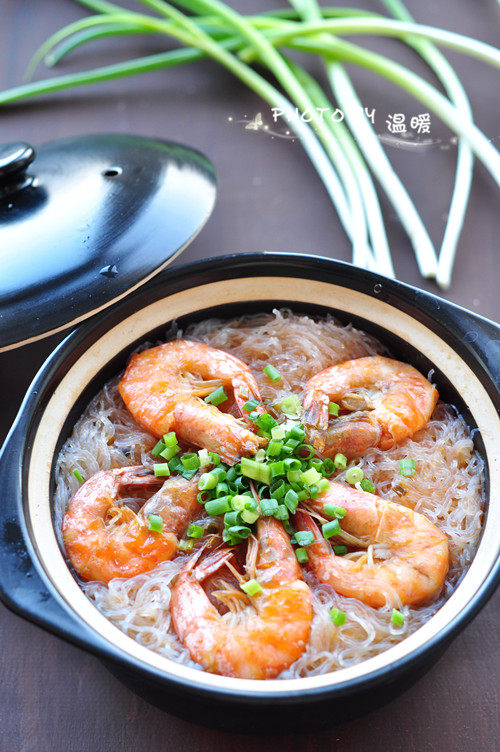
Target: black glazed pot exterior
(26, 588)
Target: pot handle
(480, 336)
(24, 588)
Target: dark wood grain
(54, 697)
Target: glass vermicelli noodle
(446, 489)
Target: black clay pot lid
(85, 220)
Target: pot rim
(69, 350)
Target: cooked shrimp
(382, 402)
(104, 539)
(267, 642)
(163, 386)
(414, 551)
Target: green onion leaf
(277, 468)
(301, 554)
(291, 501)
(354, 475)
(170, 439)
(268, 507)
(161, 469)
(397, 618)
(217, 397)
(249, 406)
(333, 409)
(340, 461)
(207, 481)
(367, 485)
(158, 448)
(255, 470)
(218, 506)
(204, 458)
(238, 533)
(310, 477)
(329, 528)
(248, 516)
(290, 405)
(278, 433)
(155, 523)
(78, 476)
(281, 513)
(191, 461)
(339, 550)
(334, 511)
(185, 545)
(251, 588)
(266, 422)
(272, 373)
(238, 502)
(323, 485)
(195, 531)
(304, 537)
(169, 452)
(407, 467)
(274, 448)
(337, 616)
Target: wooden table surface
(54, 697)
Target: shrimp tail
(210, 564)
(137, 476)
(316, 410)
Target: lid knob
(15, 158)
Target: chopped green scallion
(281, 513)
(218, 506)
(290, 405)
(340, 461)
(354, 475)
(274, 448)
(169, 452)
(217, 397)
(278, 433)
(407, 467)
(155, 523)
(304, 537)
(78, 476)
(170, 439)
(272, 373)
(204, 458)
(302, 556)
(268, 507)
(310, 477)
(334, 511)
(323, 485)
(255, 470)
(251, 588)
(161, 469)
(249, 406)
(329, 529)
(195, 531)
(397, 618)
(186, 545)
(158, 448)
(238, 502)
(367, 485)
(339, 550)
(337, 616)
(291, 501)
(249, 517)
(207, 481)
(191, 461)
(333, 409)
